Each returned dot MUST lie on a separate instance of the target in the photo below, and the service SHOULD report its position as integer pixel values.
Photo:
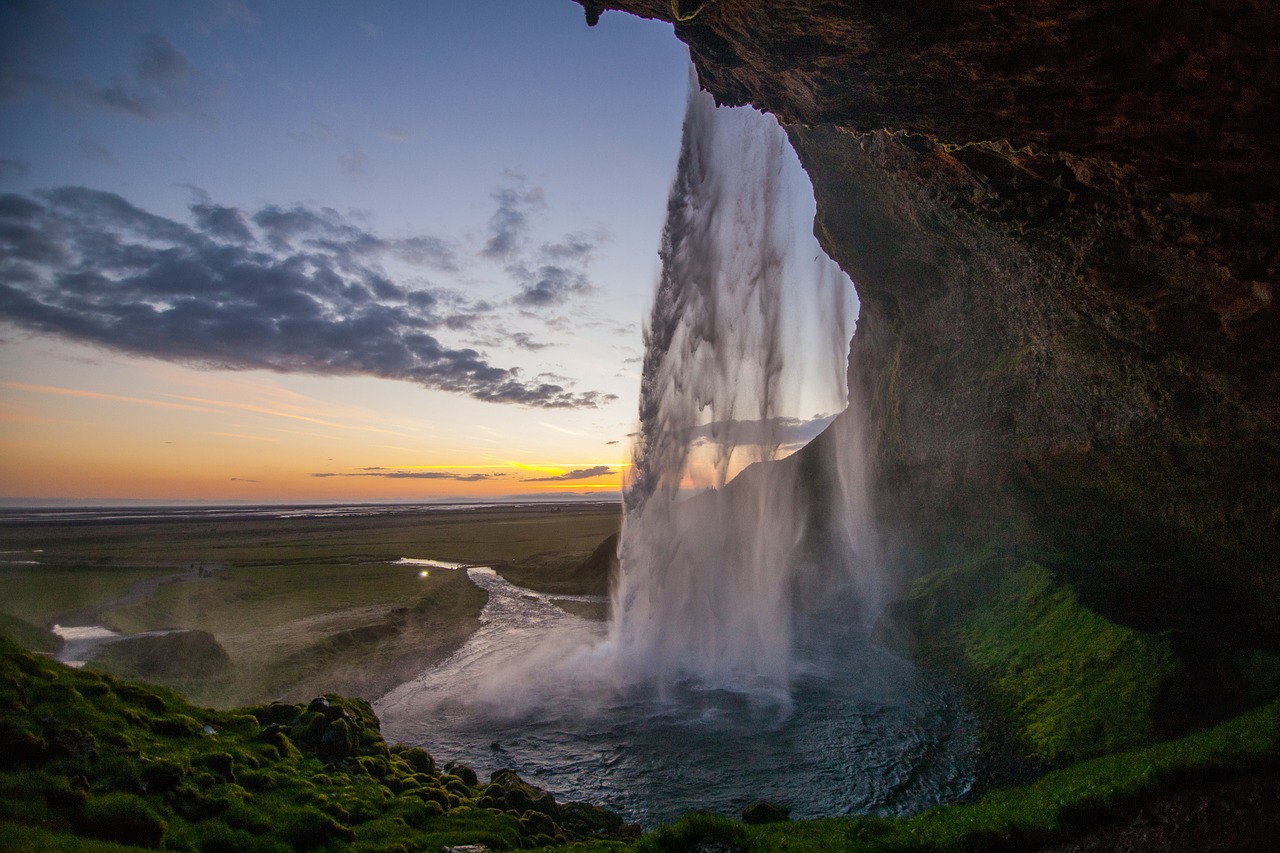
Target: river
(530, 691)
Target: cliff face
(1061, 218)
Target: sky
(326, 251)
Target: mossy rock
(307, 828)
(337, 740)
(122, 817)
(177, 725)
(463, 772)
(420, 760)
(162, 776)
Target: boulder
(763, 811)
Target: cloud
(524, 340)
(550, 285)
(548, 274)
(38, 56)
(414, 475)
(781, 431)
(580, 474)
(510, 221)
(163, 84)
(222, 223)
(287, 289)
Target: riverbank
(304, 601)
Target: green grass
(88, 756)
(300, 606)
(1074, 684)
(572, 573)
(27, 635)
(504, 533)
(79, 746)
(293, 630)
(1055, 807)
(38, 595)
(1071, 684)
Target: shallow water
(81, 643)
(876, 736)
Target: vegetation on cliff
(92, 756)
(91, 762)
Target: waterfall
(737, 663)
(727, 549)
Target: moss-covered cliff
(1061, 218)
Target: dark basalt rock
(763, 811)
(1063, 221)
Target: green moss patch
(1071, 684)
(1055, 807)
(1074, 684)
(104, 762)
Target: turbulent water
(871, 735)
(737, 663)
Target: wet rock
(763, 811)
(584, 820)
(463, 772)
(276, 712)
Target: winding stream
(877, 736)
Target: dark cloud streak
(160, 84)
(414, 475)
(286, 289)
(579, 474)
(510, 221)
(782, 431)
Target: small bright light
(422, 574)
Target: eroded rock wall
(1061, 218)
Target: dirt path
(140, 591)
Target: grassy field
(301, 606)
